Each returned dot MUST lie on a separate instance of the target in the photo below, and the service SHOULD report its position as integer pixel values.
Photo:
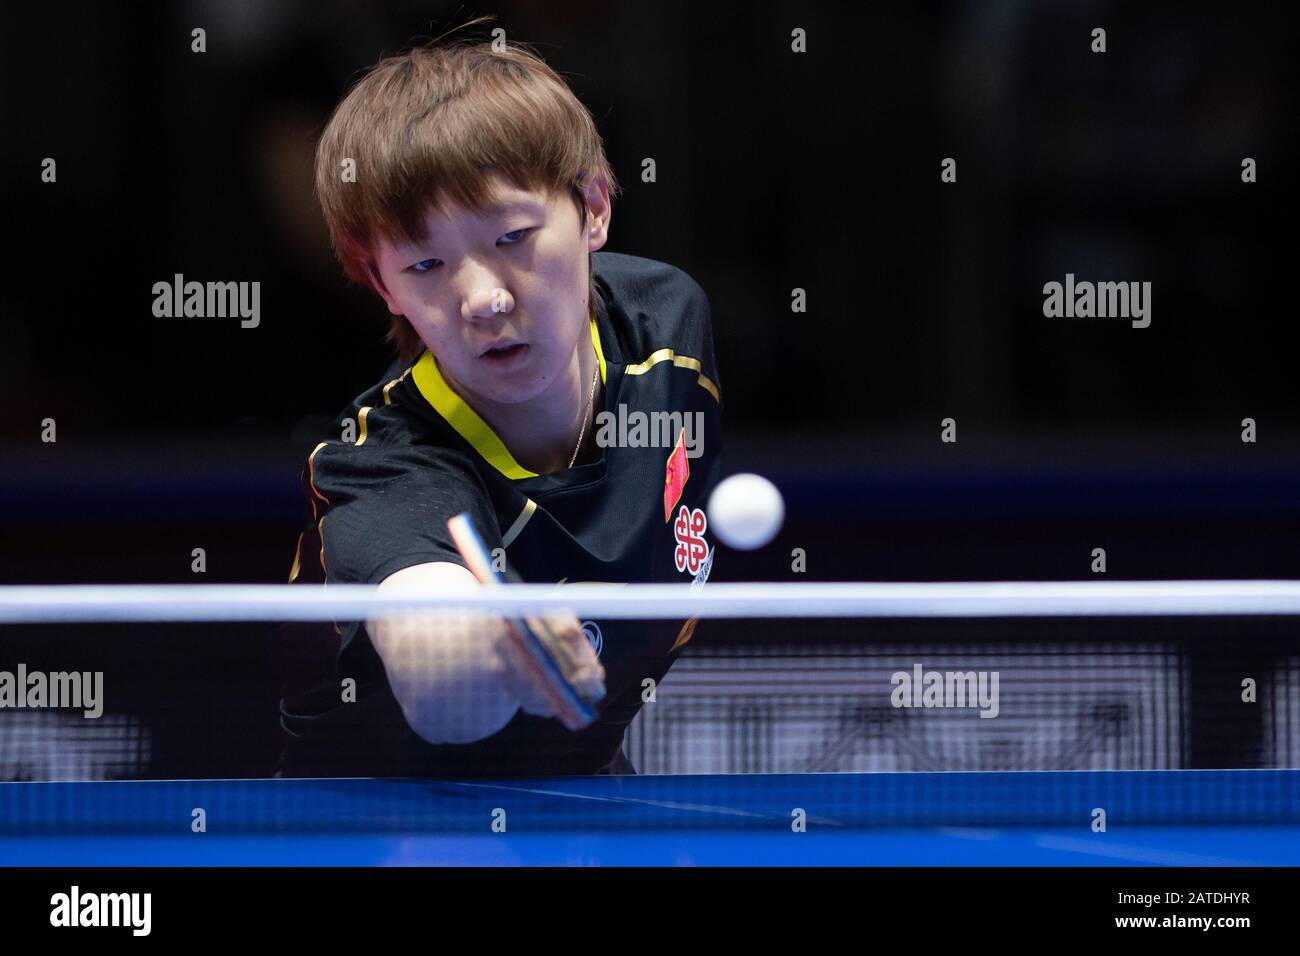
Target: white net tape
(279, 602)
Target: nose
(486, 298)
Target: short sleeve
(384, 508)
(697, 330)
(663, 307)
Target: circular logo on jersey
(594, 637)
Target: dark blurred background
(775, 171)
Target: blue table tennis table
(1152, 818)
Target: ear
(599, 211)
(377, 283)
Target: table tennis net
(1037, 694)
(754, 694)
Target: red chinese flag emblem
(675, 475)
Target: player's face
(514, 276)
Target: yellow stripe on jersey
(297, 560)
(512, 532)
(458, 414)
(600, 353)
(681, 361)
(466, 421)
(685, 634)
(389, 387)
(311, 480)
(361, 419)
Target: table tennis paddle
(547, 655)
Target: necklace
(591, 397)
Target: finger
(520, 678)
(573, 638)
(582, 668)
(591, 688)
(586, 676)
(535, 693)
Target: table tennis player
(564, 398)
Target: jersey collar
(467, 422)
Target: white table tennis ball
(745, 511)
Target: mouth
(505, 352)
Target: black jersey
(416, 454)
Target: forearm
(444, 668)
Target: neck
(543, 433)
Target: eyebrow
(497, 208)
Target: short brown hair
(423, 127)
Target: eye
(424, 265)
(511, 238)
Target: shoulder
(380, 488)
(653, 305)
(384, 442)
(638, 279)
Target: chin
(512, 391)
